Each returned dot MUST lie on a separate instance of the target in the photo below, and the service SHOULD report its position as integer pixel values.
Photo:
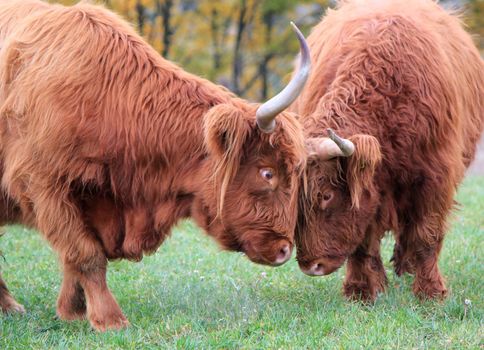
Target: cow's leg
(402, 257)
(428, 283)
(9, 213)
(7, 302)
(365, 274)
(82, 256)
(103, 311)
(426, 243)
(71, 303)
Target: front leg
(426, 242)
(83, 259)
(365, 274)
(71, 303)
(428, 283)
(91, 290)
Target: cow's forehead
(320, 171)
(279, 150)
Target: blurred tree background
(245, 45)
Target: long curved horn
(267, 112)
(346, 146)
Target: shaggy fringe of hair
(406, 72)
(349, 89)
(140, 122)
(226, 132)
(362, 166)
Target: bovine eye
(267, 174)
(325, 200)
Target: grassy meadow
(189, 295)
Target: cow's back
(14, 11)
(467, 71)
(58, 85)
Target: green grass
(191, 295)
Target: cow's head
(256, 155)
(337, 202)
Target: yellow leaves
(203, 35)
(246, 45)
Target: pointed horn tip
(346, 146)
(269, 110)
(305, 67)
(297, 30)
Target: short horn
(346, 146)
(267, 112)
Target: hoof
(111, 322)
(402, 265)
(430, 291)
(71, 309)
(402, 268)
(361, 292)
(70, 315)
(10, 306)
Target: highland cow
(404, 83)
(105, 146)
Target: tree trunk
(214, 27)
(264, 66)
(164, 11)
(237, 66)
(140, 11)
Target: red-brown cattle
(105, 146)
(404, 83)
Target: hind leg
(9, 213)
(402, 257)
(7, 302)
(365, 275)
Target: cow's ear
(226, 130)
(362, 165)
(11, 61)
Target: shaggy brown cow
(404, 82)
(105, 146)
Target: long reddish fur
(105, 146)
(404, 81)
